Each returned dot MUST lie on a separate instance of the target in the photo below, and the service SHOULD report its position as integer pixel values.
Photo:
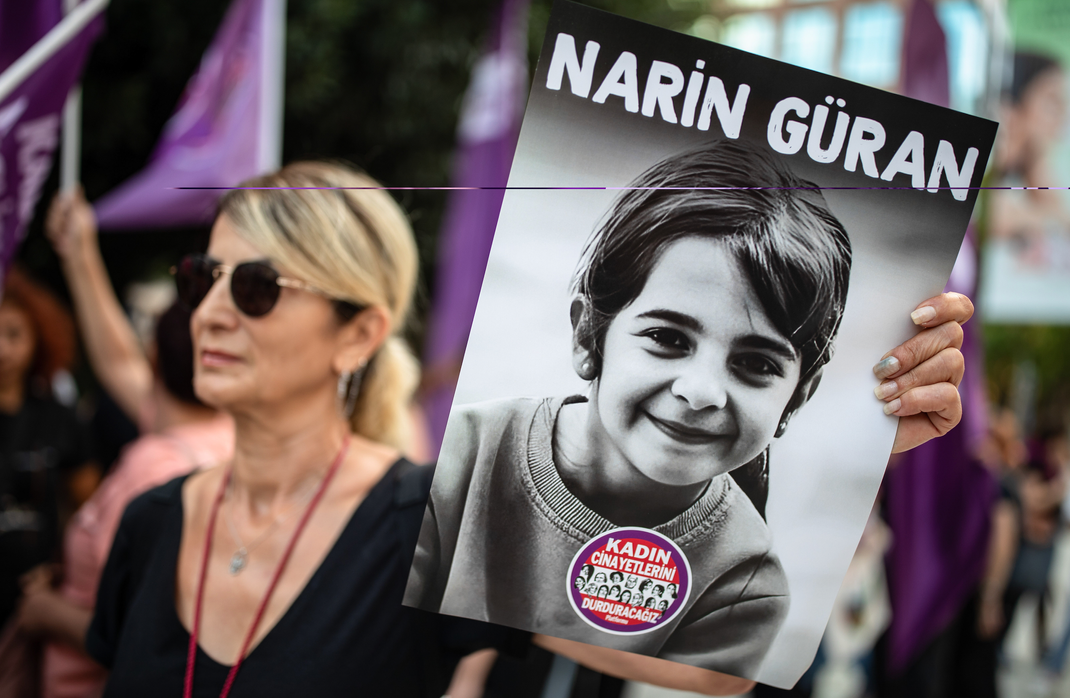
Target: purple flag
(489, 126)
(22, 23)
(937, 497)
(31, 112)
(925, 71)
(226, 128)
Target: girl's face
(694, 376)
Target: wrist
(81, 261)
(76, 256)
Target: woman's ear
(583, 359)
(360, 338)
(803, 392)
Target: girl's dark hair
(174, 354)
(791, 247)
(793, 250)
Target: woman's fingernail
(893, 406)
(923, 315)
(886, 367)
(885, 390)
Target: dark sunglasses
(254, 286)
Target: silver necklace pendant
(237, 561)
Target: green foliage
(1045, 346)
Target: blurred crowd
(61, 497)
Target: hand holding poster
(664, 438)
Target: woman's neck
(599, 475)
(278, 460)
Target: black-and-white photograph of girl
(676, 333)
(705, 308)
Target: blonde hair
(330, 226)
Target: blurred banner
(486, 138)
(937, 497)
(228, 126)
(1026, 274)
(42, 58)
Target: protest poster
(664, 438)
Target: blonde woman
(281, 573)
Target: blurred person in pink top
(178, 434)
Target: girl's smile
(695, 378)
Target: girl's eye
(668, 339)
(756, 364)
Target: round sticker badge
(629, 581)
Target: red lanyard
(191, 655)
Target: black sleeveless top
(346, 633)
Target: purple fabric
(211, 141)
(487, 135)
(22, 23)
(30, 120)
(925, 71)
(938, 497)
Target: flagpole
(71, 148)
(273, 75)
(48, 45)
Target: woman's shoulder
(148, 507)
(143, 522)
